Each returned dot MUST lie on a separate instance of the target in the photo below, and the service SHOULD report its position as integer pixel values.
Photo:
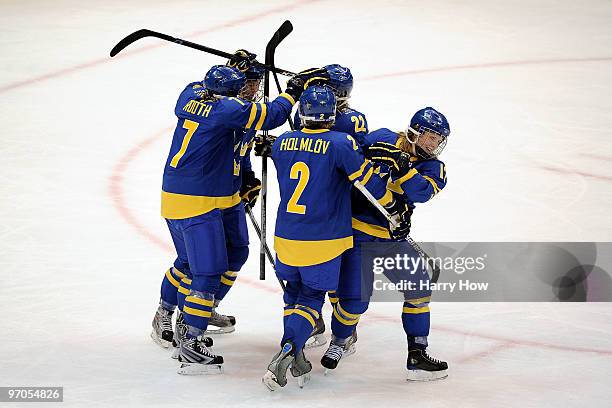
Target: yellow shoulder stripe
(252, 115)
(262, 118)
(359, 172)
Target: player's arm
(353, 163)
(423, 184)
(242, 114)
(269, 115)
(415, 185)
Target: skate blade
(269, 380)
(220, 330)
(160, 342)
(327, 371)
(175, 353)
(303, 379)
(422, 375)
(350, 351)
(199, 369)
(317, 340)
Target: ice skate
(180, 333)
(197, 359)
(276, 376)
(338, 350)
(422, 367)
(223, 324)
(317, 337)
(162, 333)
(301, 368)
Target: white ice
(526, 86)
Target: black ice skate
(276, 376)
(223, 324)
(301, 368)
(162, 327)
(317, 337)
(180, 333)
(196, 358)
(421, 367)
(338, 350)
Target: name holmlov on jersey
(305, 144)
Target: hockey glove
(242, 60)
(251, 185)
(312, 76)
(401, 213)
(386, 153)
(263, 146)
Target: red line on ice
(602, 177)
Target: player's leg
(205, 243)
(416, 322)
(349, 307)
(162, 332)
(237, 242)
(304, 300)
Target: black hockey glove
(312, 76)
(242, 60)
(251, 185)
(391, 155)
(401, 213)
(263, 146)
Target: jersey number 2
(301, 172)
(191, 127)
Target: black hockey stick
(249, 211)
(283, 31)
(143, 33)
(433, 268)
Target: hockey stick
(435, 269)
(143, 33)
(283, 31)
(249, 211)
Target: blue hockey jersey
(315, 170)
(420, 184)
(203, 167)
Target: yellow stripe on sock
(178, 273)
(199, 301)
(416, 302)
(415, 310)
(343, 320)
(183, 290)
(347, 314)
(196, 312)
(305, 315)
(226, 281)
(170, 278)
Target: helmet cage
(417, 132)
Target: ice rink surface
(526, 86)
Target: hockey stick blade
(144, 33)
(283, 31)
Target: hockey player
(199, 186)
(237, 243)
(315, 168)
(349, 121)
(417, 175)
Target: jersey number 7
(191, 127)
(299, 171)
